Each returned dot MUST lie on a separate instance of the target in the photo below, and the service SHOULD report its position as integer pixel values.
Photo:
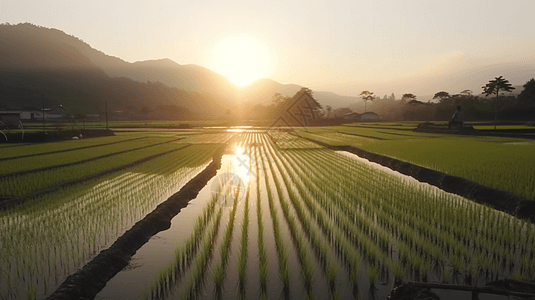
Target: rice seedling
(339, 212)
(18, 186)
(242, 263)
(282, 255)
(399, 270)
(53, 235)
(40, 149)
(372, 271)
(50, 160)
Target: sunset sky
(339, 46)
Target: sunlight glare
(242, 59)
(242, 164)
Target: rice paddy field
(282, 218)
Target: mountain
(262, 90)
(192, 77)
(38, 62)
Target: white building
(54, 113)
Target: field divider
(16, 201)
(498, 199)
(362, 135)
(67, 150)
(81, 161)
(379, 127)
(87, 282)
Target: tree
(315, 105)
(528, 93)
(467, 93)
(416, 102)
(441, 96)
(366, 96)
(341, 112)
(494, 86)
(329, 109)
(408, 97)
(277, 99)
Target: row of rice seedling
(303, 231)
(381, 125)
(209, 138)
(385, 134)
(285, 140)
(315, 166)
(280, 243)
(168, 277)
(33, 149)
(196, 279)
(220, 270)
(329, 215)
(417, 228)
(492, 161)
(262, 251)
(501, 163)
(50, 160)
(46, 239)
(17, 186)
(317, 227)
(243, 250)
(333, 138)
(344, 220)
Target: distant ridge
(261, 91)
(40, 62)
(48, 61)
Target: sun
(242, 59)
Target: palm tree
(494, 86)
(366, 96)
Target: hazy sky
(340, 46)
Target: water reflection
(239, 128)
(233, 181)
(243, 164)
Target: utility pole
(106, 104)
(43, 98)
(496, 110)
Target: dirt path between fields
(91, 279)
(498, 199)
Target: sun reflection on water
(242, 164)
